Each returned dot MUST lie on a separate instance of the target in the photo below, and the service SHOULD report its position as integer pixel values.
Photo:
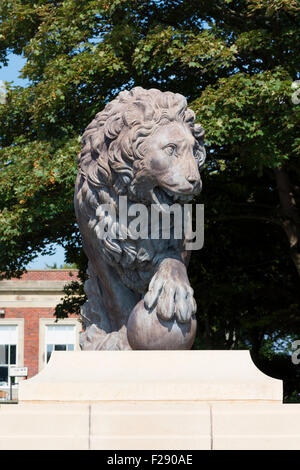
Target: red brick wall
(51, 275)
(32, 315)
(31, 333)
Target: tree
(2, 92)
(235, 60)
(62, 266)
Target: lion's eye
(170, 149)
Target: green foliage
(235, 61)
(62, 266)
(254, 115)
(74, 297)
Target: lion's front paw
(171, 297)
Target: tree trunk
(289, 214)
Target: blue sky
(12, 71)
(11, 74)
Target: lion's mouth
(163, 196)
(177, 197)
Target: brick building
(28, 329)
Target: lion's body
(116, 161)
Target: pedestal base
(155, 400)
(202, 376)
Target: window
(8, 350)
(59, 338)
(61, 335)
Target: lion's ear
(137, 113)
(189, 116)
(199, 131)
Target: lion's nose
(192, 179)
(195, 182)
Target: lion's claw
(169, 298)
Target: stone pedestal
(188, 376)
(155, 400)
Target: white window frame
(19, 324)
(48, 341)
(44, 322)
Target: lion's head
(145, 145)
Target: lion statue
(145, 147)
